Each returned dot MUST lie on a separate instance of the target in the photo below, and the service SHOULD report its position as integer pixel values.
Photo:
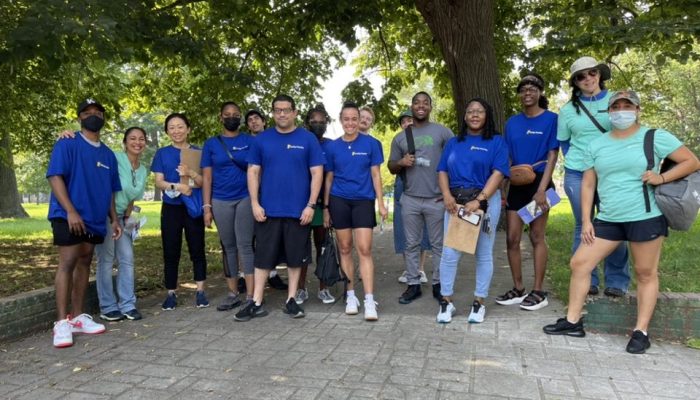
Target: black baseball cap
(89, 102)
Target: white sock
(171, 292)
(369, 298)
(351, 293)
(232, 294)
(273, 273)
(644, 332)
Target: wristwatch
(311, 206)
(172, 186)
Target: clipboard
(462, 235)
(192, 158)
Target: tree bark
(10, 200)
(464, 30)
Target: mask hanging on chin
(92, 123)
(622, 119)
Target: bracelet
(311, 206)
(206, 206)
(663, 180)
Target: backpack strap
(595, 121)
(649, 155)
(411, 144)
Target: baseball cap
(406, 113)
(629, 95)
(89, 102)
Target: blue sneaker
(170, 302)
(201, 300)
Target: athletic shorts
(62, 236)
(635, 231)
(282, 241)
(519, 196)
(346, 214)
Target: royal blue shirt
(351, 164)
(469, 163)
(91, 175)
(166, 162)
(229, 179)
(285, 160)
(530, 139)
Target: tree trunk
(10, 200)
(464, 30)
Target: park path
(194, 353)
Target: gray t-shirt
(422, 177)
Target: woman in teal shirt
(132, 175)
(616, 164)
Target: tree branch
(176, 3)
(385, 47)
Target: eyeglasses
(585, 74)
(524, 90)
(282, 110)
(476, 112)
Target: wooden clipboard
(192, 158)
(462, 235)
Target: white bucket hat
(585, 63)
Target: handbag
(523, 174)
(328, 264)
(194, 203)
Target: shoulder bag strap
(595, 121)
(228, 152)
(649, 155)
(411, 144)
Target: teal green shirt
(579, 130)
(133, 182)
(620, 164)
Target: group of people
(272, 190)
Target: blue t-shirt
(229, 179)
(530, 139)
(469, 163)
(351, 164)
(91, 175)
(166, 162)
(285, 160)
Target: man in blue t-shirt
(83, 175)
(285, 169)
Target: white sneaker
(302, 296)
(404, 277)
(83, 323)
(423, 278)
(371, 310)
(352, 305)
(326, 297)
(478, 313)
(447, 310)
(62, 335)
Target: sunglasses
(585, 74)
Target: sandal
(513, 296)
(534, 301)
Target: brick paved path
(201, 353)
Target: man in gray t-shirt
(421, 202)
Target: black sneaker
(133, 315)
(639, 343)
(564, 327)
(112, 316)
(614, 292)
(293, 310)
(277, 283)
(436, 292)
(249, 312)
(412, 292)
(229, 303)
(593, 290)
(241, 285)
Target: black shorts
(346, 214)
(282, 241)
(634, 231)
(519, 196)
(62, 235)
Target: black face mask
(317, 129)
(92, 123)
(232, 123)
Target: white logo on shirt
(100, 165)
(531, 132)
(357, 153)
(238, 148)
(291, 146)
(478, 148)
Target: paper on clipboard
(462, 235)
(192, 158)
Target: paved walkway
(203, 354)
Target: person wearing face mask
(615, 163)
(316, 121)
(581, 120)
(226, 201)
(84, 176)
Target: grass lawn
(28, 259)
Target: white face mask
(622, 119)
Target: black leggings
(173, 219)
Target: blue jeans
(483, 255)
(617, 270)
(123, 249)
(399, 234)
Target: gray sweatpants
(234, 221)
(417, 212)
